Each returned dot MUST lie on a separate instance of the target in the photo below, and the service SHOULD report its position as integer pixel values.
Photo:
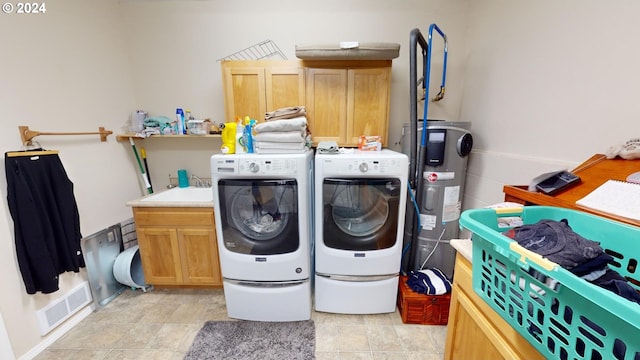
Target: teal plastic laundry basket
(573, 319)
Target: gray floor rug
(246, 340)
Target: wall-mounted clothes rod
(26, 134)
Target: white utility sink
(188, 194)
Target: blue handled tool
(440, 95)
(427, 79)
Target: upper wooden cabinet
(346, 99)
(326, 104)
(254, 87)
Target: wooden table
(593, 173)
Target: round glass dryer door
(360, 214)
(260, 217)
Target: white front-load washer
(263, 206)
(359, 206)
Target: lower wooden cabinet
(178, 246)
(477, 332)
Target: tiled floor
(161, 324)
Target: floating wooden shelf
(126, 137)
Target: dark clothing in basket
(556, 241)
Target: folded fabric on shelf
(279, 145)
(298, 123)
(280, 151)
(282, 136)
(149, 131)
(328, 147)
(285, 113)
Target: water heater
(448, 145)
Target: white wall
(6, 350)
(547, 84)
(64, 71)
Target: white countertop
(464, 247)
(174, 198)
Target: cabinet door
(244, 89)
(160, 255)
(475, 331)
(199, 256)
(284, 88)
(466, 338)
(326, 104)
(368, 103)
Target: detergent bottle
(241, 146)
(228, 138)
(247, 138)
(179, 121)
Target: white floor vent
(61, 309)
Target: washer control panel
(363, 166)
(256, 166)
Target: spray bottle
(179, 121)
(228, 138)
(248, 133)
(240, 145)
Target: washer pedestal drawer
(285, 302)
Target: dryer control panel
(363, 166)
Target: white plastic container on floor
(127, 268)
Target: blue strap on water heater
(428, 78)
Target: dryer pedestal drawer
(355, 297)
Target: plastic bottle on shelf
(248, 134)
(228, 138)
(180, 128)
(240, 145)
(187, 117)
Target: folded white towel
(281, 151)
(328, 147)
(281, 136)
(279, 145)
(285, 113)
(298, 123)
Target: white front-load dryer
(263, 206)
(359, 216)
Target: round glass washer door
(260, 220)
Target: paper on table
(615, 197)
